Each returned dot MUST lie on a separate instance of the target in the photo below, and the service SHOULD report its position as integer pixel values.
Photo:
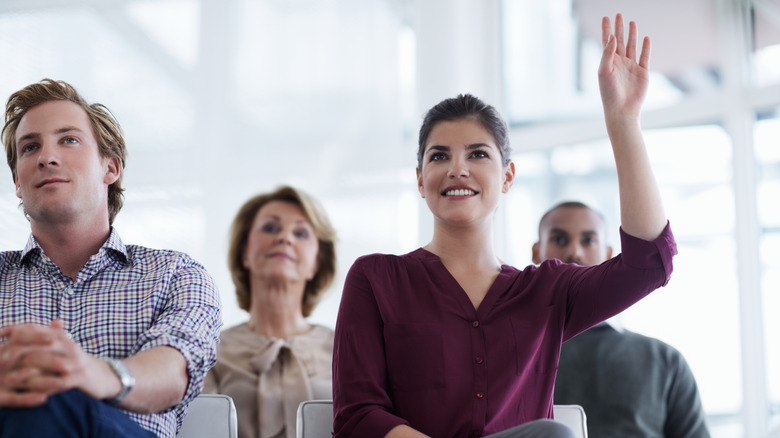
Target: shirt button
(480, 395)
(475, 324)
(478, 359)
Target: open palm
(622, 78)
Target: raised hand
(623, 82)
(623, 79)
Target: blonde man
(99, 338)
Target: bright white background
(222, 99)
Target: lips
(280, 255)
(48, 181)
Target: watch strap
(125, 378)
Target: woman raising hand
(446, 341)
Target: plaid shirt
(125, 300)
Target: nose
(284, 237)
(47, 155)
(574, 253)
(458, 168)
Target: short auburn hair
(106, 129)
(326, 238)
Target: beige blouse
(268, 378)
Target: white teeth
(460, 192)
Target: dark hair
(108, 134)
(466, 106)
(568, 204)
(326, 237)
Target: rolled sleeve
(190, 323)
(650, 254)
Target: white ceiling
(684, 33)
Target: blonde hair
(326, 237)
(108, 133)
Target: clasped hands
(38, 361)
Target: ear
(18, 188)
(112, 170)
(609, 252)
(509, 177)
(535, 254)
(420, 187)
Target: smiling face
(61, 176)
(572, 235)
(282, 245)
(462, 174)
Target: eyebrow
(468, 147)
(279, 218)
(33, 135)
(558, 231)
(585, 233)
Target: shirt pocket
(537, 342)
(415, 356)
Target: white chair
(315, 419)
(210, 416)
(574, 417)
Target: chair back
(315, 419)
(574, 417)
(210, 416)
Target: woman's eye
(69, 140)
(437, 156)
(302, 234)
(270, 228)
(479, 154)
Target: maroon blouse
(411, 349)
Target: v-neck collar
(444, 277)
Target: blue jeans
(69, 414)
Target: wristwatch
(125, 378)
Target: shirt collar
(113, 245)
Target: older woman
(282, 258)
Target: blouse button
(475, 324)
(480, 395)
(478, 359)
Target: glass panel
(766, 57)
(557, 79)
(770, 245)
(768, 157)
